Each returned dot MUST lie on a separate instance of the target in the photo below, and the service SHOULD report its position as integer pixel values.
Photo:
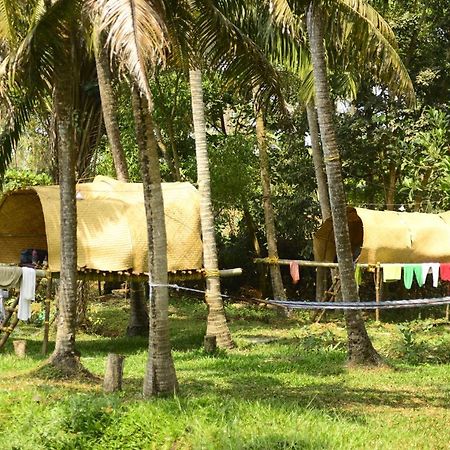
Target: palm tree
(269, 217)
(360, 348)
(217, 324)
(36, 62)
(375, 40)
(109, 107)
(160, 376)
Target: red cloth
(444, 270)
(295, 272)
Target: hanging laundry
(358, 275)
(27, 293)
(409, 271)
(295, 272)
(445, 271)
(434, 267)
(10, 276)
(391, 272)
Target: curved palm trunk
(269, 219)
(64, 356)
(322, 187)
(360, 349)
(217, 323)
(160, 377)
(109, 108)
(138, 325)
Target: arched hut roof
(389, 237)
(112, 230)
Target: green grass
(285, 386)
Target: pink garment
(295, 272)
(445, 271)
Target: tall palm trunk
(269, 219)
(322, 186)
(217, 323)
(160, 377)
(64, 355)
(109, 107)
(360, 349)
(138, 325)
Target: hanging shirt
(295, 272)
(10, 276)
(391, 272)
(434, 267)
(27, 293)
(445, 271)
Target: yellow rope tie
(212, 273)
(272, 260)
(48, 301)
(332, 158)
(46, 322)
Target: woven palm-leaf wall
(389, 237)
(112, 231)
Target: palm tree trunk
(138, 323)
(360, 349)
(390, 189)
(269, 219)
(160, 377)
(64, 356)
(322, 187)
(109, 107)
(217, 323)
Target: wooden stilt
(20, 348)
(377, 290)
(47, 316)
(113, 373)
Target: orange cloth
(295, 272)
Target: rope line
(295, 304)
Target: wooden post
(210, 344)
(113, 373)
(377, 290)
(20, 348)
(47, 315)
(8, 330)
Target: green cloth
(10, 276)
(409, 270)
(358, 275)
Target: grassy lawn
(285, 386)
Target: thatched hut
(112, 230)
(389, 237)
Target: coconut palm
(217, 324)
(363, 26)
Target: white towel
(434, 270)
(27, 293)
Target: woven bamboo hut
(389, 237)
(112, 230)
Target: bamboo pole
(47, 315)
(377, 290)
(301, 262)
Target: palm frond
(136, 34)
(7, 9)
(364, 39)
(224, 45)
